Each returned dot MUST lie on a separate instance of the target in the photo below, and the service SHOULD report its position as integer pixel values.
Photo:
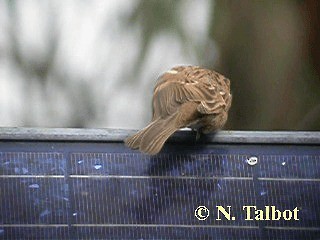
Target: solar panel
(85, 184)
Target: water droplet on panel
(97, 166)
(262, 193)
(45, 212)
(35, 185)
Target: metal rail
(118, 135)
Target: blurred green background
(94, 63)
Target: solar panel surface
(78, 186)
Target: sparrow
(185, 96)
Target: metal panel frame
(118, 135)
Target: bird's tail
(151, 139)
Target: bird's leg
(198, 131)
(198, 135)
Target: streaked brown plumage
(185, 96)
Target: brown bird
(185, 96)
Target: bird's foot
(198, 135)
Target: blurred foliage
(153, 18)
(269, 50)
(40, 71)
(264, 49)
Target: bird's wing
(175, 88)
